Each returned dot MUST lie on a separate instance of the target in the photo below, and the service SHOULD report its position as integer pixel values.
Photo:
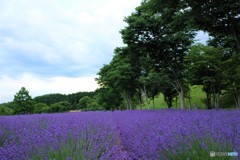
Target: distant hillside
(73, 98)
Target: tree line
(23, 103)
(160, 55)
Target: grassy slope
(196, 98)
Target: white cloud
(67, 30)
(48, 42)
(39, 86)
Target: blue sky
(57, 46)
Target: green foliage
(5, 110)
(216, 17)
(73, 98)
(83, 102)
(88, 104)
(23, 102)
(204, 66)
(108, 98)
(41, 108)
(232, 71)
(231, 65)
(120, 76)
(62, 106)
(50, 98)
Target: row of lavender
(119, 135)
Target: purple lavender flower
(116, 135)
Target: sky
(57, 46)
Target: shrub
(6, 111)
(60, 106)
(41, 108)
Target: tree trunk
(180, 90)
(130, 101)
(238, 103)
(140, 99)
(181, 95)
(236, 94)
(216, 100)
(140, 102)
(126, 100)
(168, 101)
(237, 98)
(153, 102)
(176, 102)
(208, 101)
(145, 96)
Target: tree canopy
(159, 54)
(23, 102)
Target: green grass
(70, 150)
(197, 96)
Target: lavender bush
(163, 134)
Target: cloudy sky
(57, 46)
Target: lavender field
(163, 134)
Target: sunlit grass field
(197, 97)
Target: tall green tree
(204, 65)
(109, 98)
(23, 102)
(232, 68)
(158, 36)
(231, 64)
(120, 76)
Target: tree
(231, 64)
(88, 104)
(5, 110)
(157, 34)
(204, 67)
(232, 72)
(108, 98)
(23, 102)
(73, 98)
(120, 75)
(41, 108)
(50, 98)
(62, 106)
(218, 17)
